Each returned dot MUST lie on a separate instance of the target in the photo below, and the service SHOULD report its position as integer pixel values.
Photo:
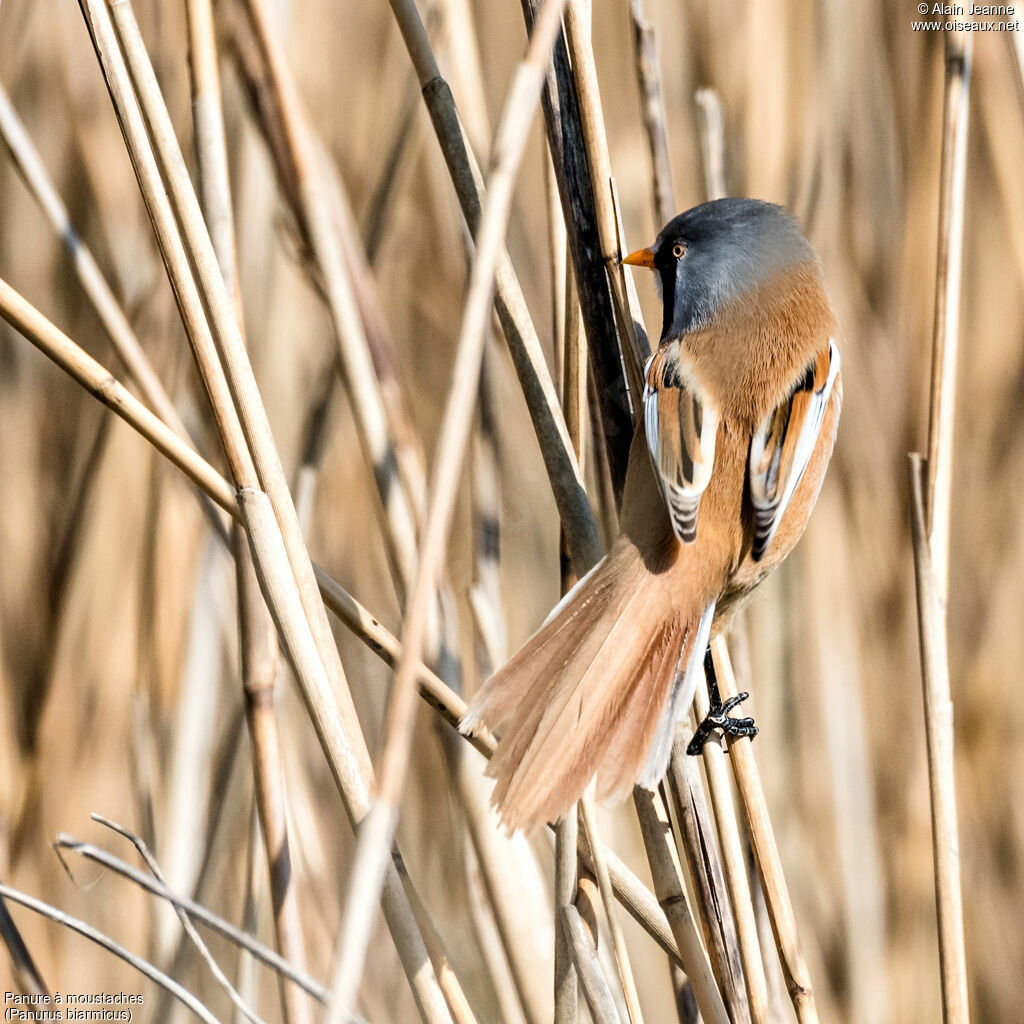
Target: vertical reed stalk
(931, 508)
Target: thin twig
(196, 911)
(190, 930)
(562, 121)
(142, 966)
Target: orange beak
(641, 258)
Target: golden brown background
(118, 663)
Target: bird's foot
(718, 718)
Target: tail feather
(587, 695)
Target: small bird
(740, 408)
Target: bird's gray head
(708, 257)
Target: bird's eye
(679, 250)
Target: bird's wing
(782, 446)
(681, 424)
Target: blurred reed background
(119, 668)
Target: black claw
(718, 714)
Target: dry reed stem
(938, 706)
(602, 183)
(629, 316)
(568, 154)
(161, 144)
(946, 332)
(186, 924)
(652, 106)
(766, 853)
(311, 199)
(734, 863)
(712, 142)
(657, 834)
(520, 334)
(454, 995)
(258, 641)
(99, 292)
(93, 935)
(329, 705)
(242, 939)
(588, 819)
(633, 895)
(592, 980)
(566, 860)
(497, 879)
(695, 835)
(931, 507)
(376, 833)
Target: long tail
(589, 694)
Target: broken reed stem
(29, 322)
(376, 834)
(734, 863)
(588, 818)
(258, 641)
(513, 314)
(931, 500)
(652, 106)
(592, 980)
(300, 615)
(695, 837)
(104, 941)
(946, 331)
(938, 707)
(766, 853)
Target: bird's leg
(718, 712)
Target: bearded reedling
(741, 404)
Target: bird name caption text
(966, 18)
(72, 1006)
